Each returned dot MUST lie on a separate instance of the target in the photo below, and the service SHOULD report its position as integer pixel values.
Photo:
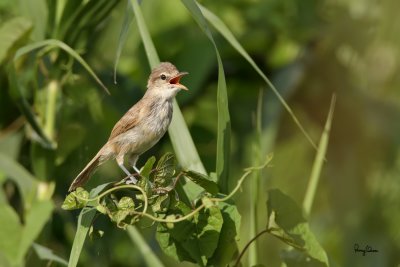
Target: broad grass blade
(181, 139)
(224, 122)
(84, 221)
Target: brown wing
(128, 121)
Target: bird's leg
(132, 160)
(120, 161)
(136, 169)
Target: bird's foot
(131, 180)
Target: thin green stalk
(52, 93)
(255, 186)
(318, 162)
(224, 122)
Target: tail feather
(85, 174)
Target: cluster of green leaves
(204, 232)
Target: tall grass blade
(147, 252)
(319, 160)
(149, 47)
(84, 221)
(227, 34)
(224, 123)
(181, 139)
(255, 185)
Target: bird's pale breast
(152, 127)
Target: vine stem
(117, 188)
(248, 245)
(193, 212)
(189, 215)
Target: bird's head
(165, 80)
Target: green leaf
(84, 221)
(286, 222)
(165, 170)
(12, 34)
(45, 253)
(202, 180)
(207, 229)
(227, 243)
(145, 250)
(200, 236)
(167, 242)
(147, 167)
(26, 183)
(35, 220)
(161, 204)
(125, 207)
(76, 199)
(179, 134)
(224, 123)
(9, 243)
(10, 144)
(170, 246)
(227, 34)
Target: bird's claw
(131, 180)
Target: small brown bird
(142, 126)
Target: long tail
(85, 174)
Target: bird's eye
(163, 77)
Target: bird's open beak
(175, 80)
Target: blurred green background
(309, 49)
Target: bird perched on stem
(142, 126)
